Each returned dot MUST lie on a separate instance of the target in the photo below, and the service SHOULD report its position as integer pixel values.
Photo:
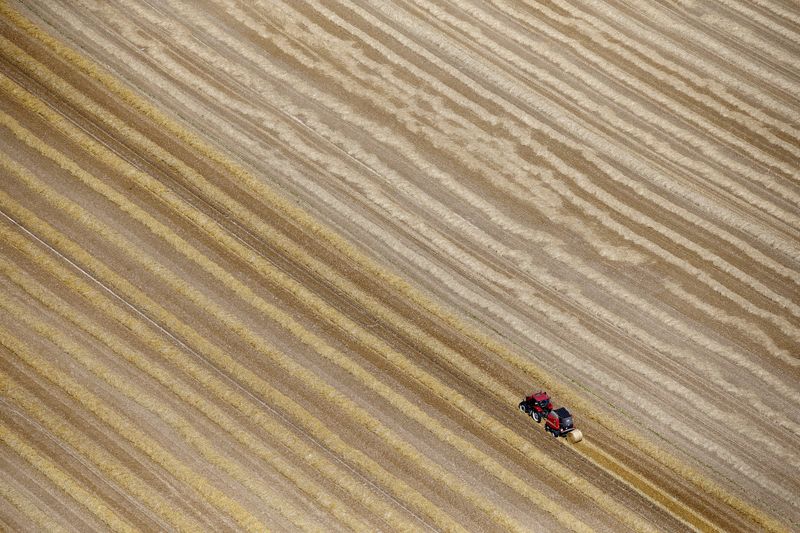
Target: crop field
(291, 265)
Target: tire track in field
(91, 451)
(17, 498)
(118, 346)
(127, 430)
(173, 419)
(62, 480)
(209, 382)
(397, 359)
(221, 360)
(308, 338)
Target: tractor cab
(541, 400)
(537, 405)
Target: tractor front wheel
(536, 416)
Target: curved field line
(218, 358)
(114, 469)
(651, 13)
(628, 103)
(307, 222)
(69, 485)
(130, 432)
(556, 113)
(330, 314)
(213, 413)
(308, 338)
(18, 499)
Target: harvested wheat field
(291, 265)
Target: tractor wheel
(536, 417)
(575, 436)
(522, 408)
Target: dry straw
(325, 311)
(188, 395)
(124, 426)
(20, 499)
(219, 359)
(302, 218)
(68, 484)
(116, 471)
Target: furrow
(610, 116)
(637, 35)
(331, 315)
(674, 105)
(274, 313)
(114, 469)
(27, 507)
(212, 412)
(126, 429)
(662, 69)
(51, 470)
(557, 114)
(221, 360)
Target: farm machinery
(557, 422)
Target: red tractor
(537, 405)
(557, 422)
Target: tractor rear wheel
(575, 436)
(522, 408)
(536, 416)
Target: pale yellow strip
(129, 431)
(29, 509)
(64, 481)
